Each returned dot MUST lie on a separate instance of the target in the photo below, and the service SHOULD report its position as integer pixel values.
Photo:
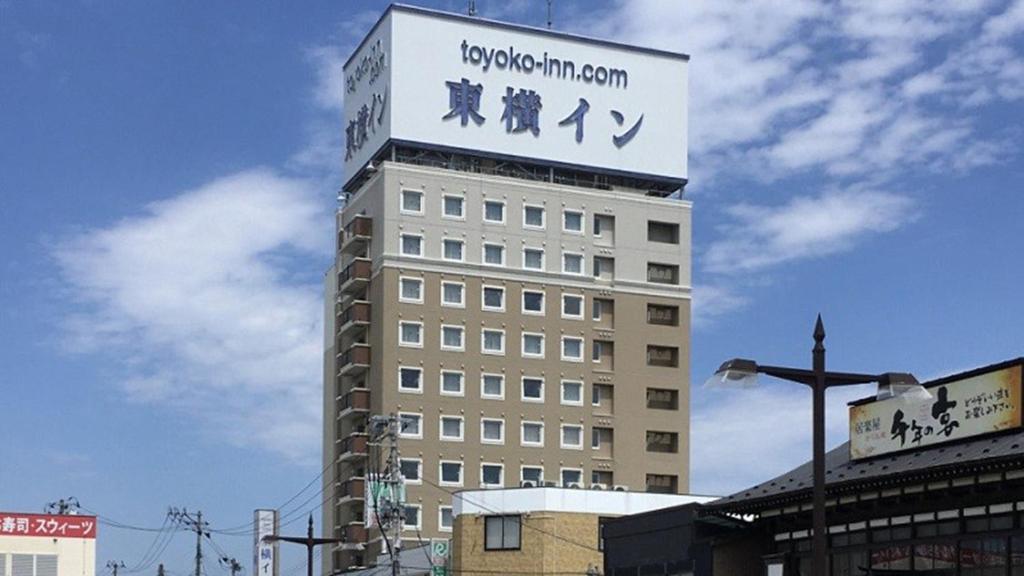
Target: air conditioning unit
(598, 486)
(528, 484)
(621, 488)
(550, 484)
(575, 485)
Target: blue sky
(168, 173)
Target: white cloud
(711, 301)
(760, 236)
(206, 303)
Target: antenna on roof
(472, 8)
(549, 14)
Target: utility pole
(232, 565)
(63, 506)
(392, 512)
(115, 566)
(160, 570)
(309, 541)
(194, 523)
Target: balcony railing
(353, 447)
(354, 489)
(356, 234)
(355, 315)
(664, 442)
(355, 359)
(354, 276)
(353, 402)
(355, 533)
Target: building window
(662, 483)
(454, 206)
(533, 389)
(494, 254)
(663, 315)
(572, 349)
(533, 302)
(492, 475)
(572, 263)
(445, 518)
(451, 473)
(533, 216)
(662, 232)
(533, 345)
(412, 202)
(412, 470)
(453, 250)
(571, 477)
(453, 294)
(597, 350)
(572, 436)
(452, 383)
(595, 395)
(533, 474)
(663, 273)
(410, 380)
(492, 430)
(533, 258)
(662, 399)
(502, 532)
(595, 438)
(532, 434)
(595, 314)
(492, 386)
(410, 334)
(410, 290)
(572, 221)
(493, 298)
(451, 428)
(572, 306)
(412, 518)
(572, 392)
(411, 425)
(453, 338)
(492, 341)
(666, 356)
(665, 442)
(412, 245)
(494, 211)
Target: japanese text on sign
(54, 526)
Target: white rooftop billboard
(439, 80)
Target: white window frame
(501, 478)
(445, 214)
(462, 428)
(402, 433)
(484, 439)
(583, 221)
(440, 473)
(483, 339)
(522, 434)
(440, 518)
(402, 297)
(583, 349)
(562, 391)
(401, 244)
(583, 307)
(404, 343)
(522, 345)
(401, 201)
(522, 389)
(444, 254)
(568, 469)
(583, 263)
(522, 478)
(561, 436)
(543, 258)
(483, 254)
(419, 466)
(419, 517)
(462, 380)
(486, 396)
(543, 302)
(504, 211)
(418, 390)
(483, 299)
(449, 304)
(543, 216)
(462, 340)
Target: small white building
(47, 544)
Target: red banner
(47, 525)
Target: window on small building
(663, 232)
(502, 532)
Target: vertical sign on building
(265, 560)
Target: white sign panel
(265, 560)
(465, 84)
(982, 404)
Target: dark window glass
(502, 532)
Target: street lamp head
(903, 386)
(735, 373)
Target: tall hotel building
(512, 275)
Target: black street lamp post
(742, 372)
(308, 541)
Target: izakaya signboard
(452, 82)
(958, 409)
(47, 525)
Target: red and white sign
(47, 525)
